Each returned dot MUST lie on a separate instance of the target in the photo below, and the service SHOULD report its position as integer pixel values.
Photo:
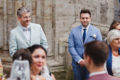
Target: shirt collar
(85, 27)
(24, 28)
(97, 73)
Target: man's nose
(28, 18)
(85, 19)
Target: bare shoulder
(42, 78)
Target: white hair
(113, 34)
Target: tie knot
(84, 29)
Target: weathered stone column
(5, 32)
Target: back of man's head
(97, 51)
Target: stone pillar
(5, 39)
(117, 10)
(1, 24)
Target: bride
(36, 56)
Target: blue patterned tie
(84, 35)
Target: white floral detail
(94, 35)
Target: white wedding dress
(45, 73)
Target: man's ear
(18, 17)
(89, 59)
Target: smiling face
(85, 19)
(25, 19)
(115, 43)
(117, 27)
(39, 59)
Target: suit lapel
(19, 29)
(32, 34)
(88, 33)
(80, 34)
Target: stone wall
(117, 10)
(57, 18)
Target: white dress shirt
(26, 31)
(85, 28)
(116, 65)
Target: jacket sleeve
(71, 47)
(12, 44)
(43, 39)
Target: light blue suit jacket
(18, 39)
(75, 41)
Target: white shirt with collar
(82, 34)
(116, 65)
(85, 28)
(26, 32)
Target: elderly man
(80, 35)
(96, 54)
(26, 33)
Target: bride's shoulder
(40, 78)
(37, 77)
